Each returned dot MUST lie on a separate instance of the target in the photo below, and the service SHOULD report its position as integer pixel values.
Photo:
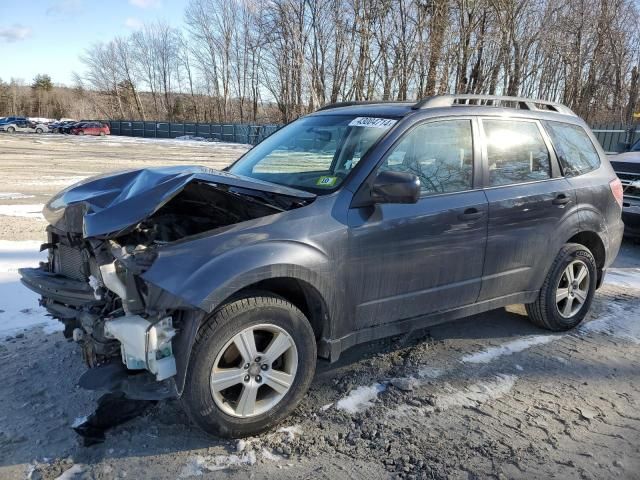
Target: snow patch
(492, 353)
(430, 372)
(18, 305)
(623, 277)
(200, 464)
(269, 455)
(79, 421)
(291, 431)
(13, 196)
(476, 394)
(473, 395)
(54, 180)
(72, 473)
(196, 139)
(25, 211)
(618, 322)
(361, 398)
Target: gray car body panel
(380, 269)
(345, 254)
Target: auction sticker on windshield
(372, 122)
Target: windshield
(314, 153)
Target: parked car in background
(7, 120)
(57, 127)
(67, 128)
(354, 223)
(90, 128)
(24, 126)
(627, 167)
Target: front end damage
(93, 288)
(92, 281)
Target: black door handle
(561, 199)
(470, 214)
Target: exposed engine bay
(93, 284)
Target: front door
(407, 260)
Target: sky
(48, 36)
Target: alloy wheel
(254, 370)
(573, 289)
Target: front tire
(251, 364)
(567, 293)
(11, 130)
(39, 130)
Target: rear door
(528, 202)
(407, 260)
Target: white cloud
(65, 7)
(15, 33)
(146, 3)
(133, 23)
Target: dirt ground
(490, 396)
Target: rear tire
(228, 408)
(39, 130)
(567, 293)
(81, 132)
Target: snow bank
(492, 353)
(361, 398)
(18, 305)
(25, 211)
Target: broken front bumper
(58, 288)
(145, 342)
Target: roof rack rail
(491, 101)
(363, 102)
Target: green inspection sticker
(326, 181)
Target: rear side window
(574, 149)
(516, 152)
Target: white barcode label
(372, 122)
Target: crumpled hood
(108, 204)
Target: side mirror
(395, 187)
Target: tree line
(274, 60)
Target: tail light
(616, 189)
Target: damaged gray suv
(354, 223)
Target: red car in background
(91, 128)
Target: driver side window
(439, 153)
